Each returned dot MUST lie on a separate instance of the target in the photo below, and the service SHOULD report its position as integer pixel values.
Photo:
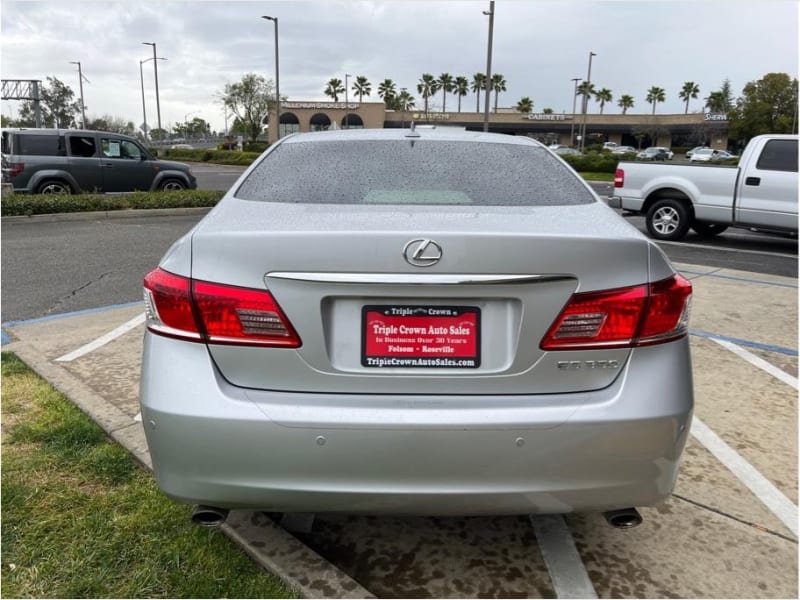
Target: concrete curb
(301, 569)
(108, 214)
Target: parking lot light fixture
(141, 79)
(155, 70)
(80, 81)
(575, 81)
(488, 80)
(586, 102)
(277, 81)
(346, 99)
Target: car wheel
(708, 229)
(171, 185)
(667, 219)
(54, 187)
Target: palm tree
(387, 91)
(445, 83)
(362, 87)
(602, 96)
(427, 87)
(405, 100)
(689, 90)
(625, 102)
(461, 89)
(655, 95)
(334, 88)
(498, 85)
(478, 84)
(585, 89)
(716, 102)
(525, 105)
(547, 111)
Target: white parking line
(758, 362)
(103, 340)
(771, 496)
(567, 572)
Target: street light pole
(346, 100)
(144, 107)
(141, 79)
(575, 81)
(586, 101)
(80, 81)
(277, 81)
(490, 14)
(403, 95)
(155, 70)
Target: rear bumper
(212, 443)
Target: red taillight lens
(168, 305)
(619, 178)
(216, 314)
(623, 318)
(234, 315)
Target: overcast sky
(539, 46)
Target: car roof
(450, 134)
(47, 131)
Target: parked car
(181, 147)
(652, 154)
(71, 161)
(695, 149)
(565, 151)
(725, 155)
(669, 153)
(428, 321)
(761, 192)
(623, 150)
(609, 145)
(706, 155)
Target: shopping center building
(638, 130)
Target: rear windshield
(413, 172)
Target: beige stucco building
(631, 129)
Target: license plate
(421, 336)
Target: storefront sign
(716, 117)
(319, 105)
(431, 116)
(544, 117)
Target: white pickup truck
(759, 193)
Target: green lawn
(82, 519)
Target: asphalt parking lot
(730, 529)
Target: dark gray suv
(64, 161)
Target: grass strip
(82, 519)
(27, 205)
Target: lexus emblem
(422, 253)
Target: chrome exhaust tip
(209, 516)
(624, 518)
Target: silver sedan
(417, 321)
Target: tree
(478, 84)
(525, 105)
(768, 105)
(404, 100)
(461, 89)
(333, 88)
(445, 83)
(427, 87)
(602, 96)
(547, 111)
(625, 102)
(250, 100)
(727, 93)
(655, 95)
(57, 104)
(715, 102)
(157, 134)
(498, 85)
(111, 124)
(362, 87)
(689, 90)
(387, 90)
(585, 89)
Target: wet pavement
(729, 530)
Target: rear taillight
(619, 178)
(14, 169)
(623, 318)
(216, 314)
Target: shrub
(595, 162)
(24, 204)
